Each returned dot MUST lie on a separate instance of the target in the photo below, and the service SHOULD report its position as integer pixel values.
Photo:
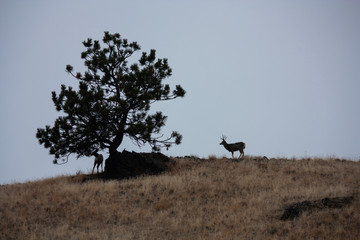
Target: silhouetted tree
(112, 101)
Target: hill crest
(196, 199)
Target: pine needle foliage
(112, 101)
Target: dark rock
(131, 164)
(295, 210)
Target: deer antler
(223, 137)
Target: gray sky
(282, 76)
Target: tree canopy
(112, 101)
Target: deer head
(223, 138)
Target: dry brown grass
(197, 199)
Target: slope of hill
(197, 199)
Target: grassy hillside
(197, 199)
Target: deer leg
(93, 168)
(232, 154)
(241, 153)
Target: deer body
(233, 147)
(97, 162)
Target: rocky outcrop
(295, 210)
(131, 164)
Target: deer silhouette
(98, 161)
(233, 147)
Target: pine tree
(112, 101)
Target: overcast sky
(282, 76)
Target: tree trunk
(120, 135)
(115, 144)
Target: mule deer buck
(233, 147)
(97, 162)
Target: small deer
(97, 162)
(233, 147)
